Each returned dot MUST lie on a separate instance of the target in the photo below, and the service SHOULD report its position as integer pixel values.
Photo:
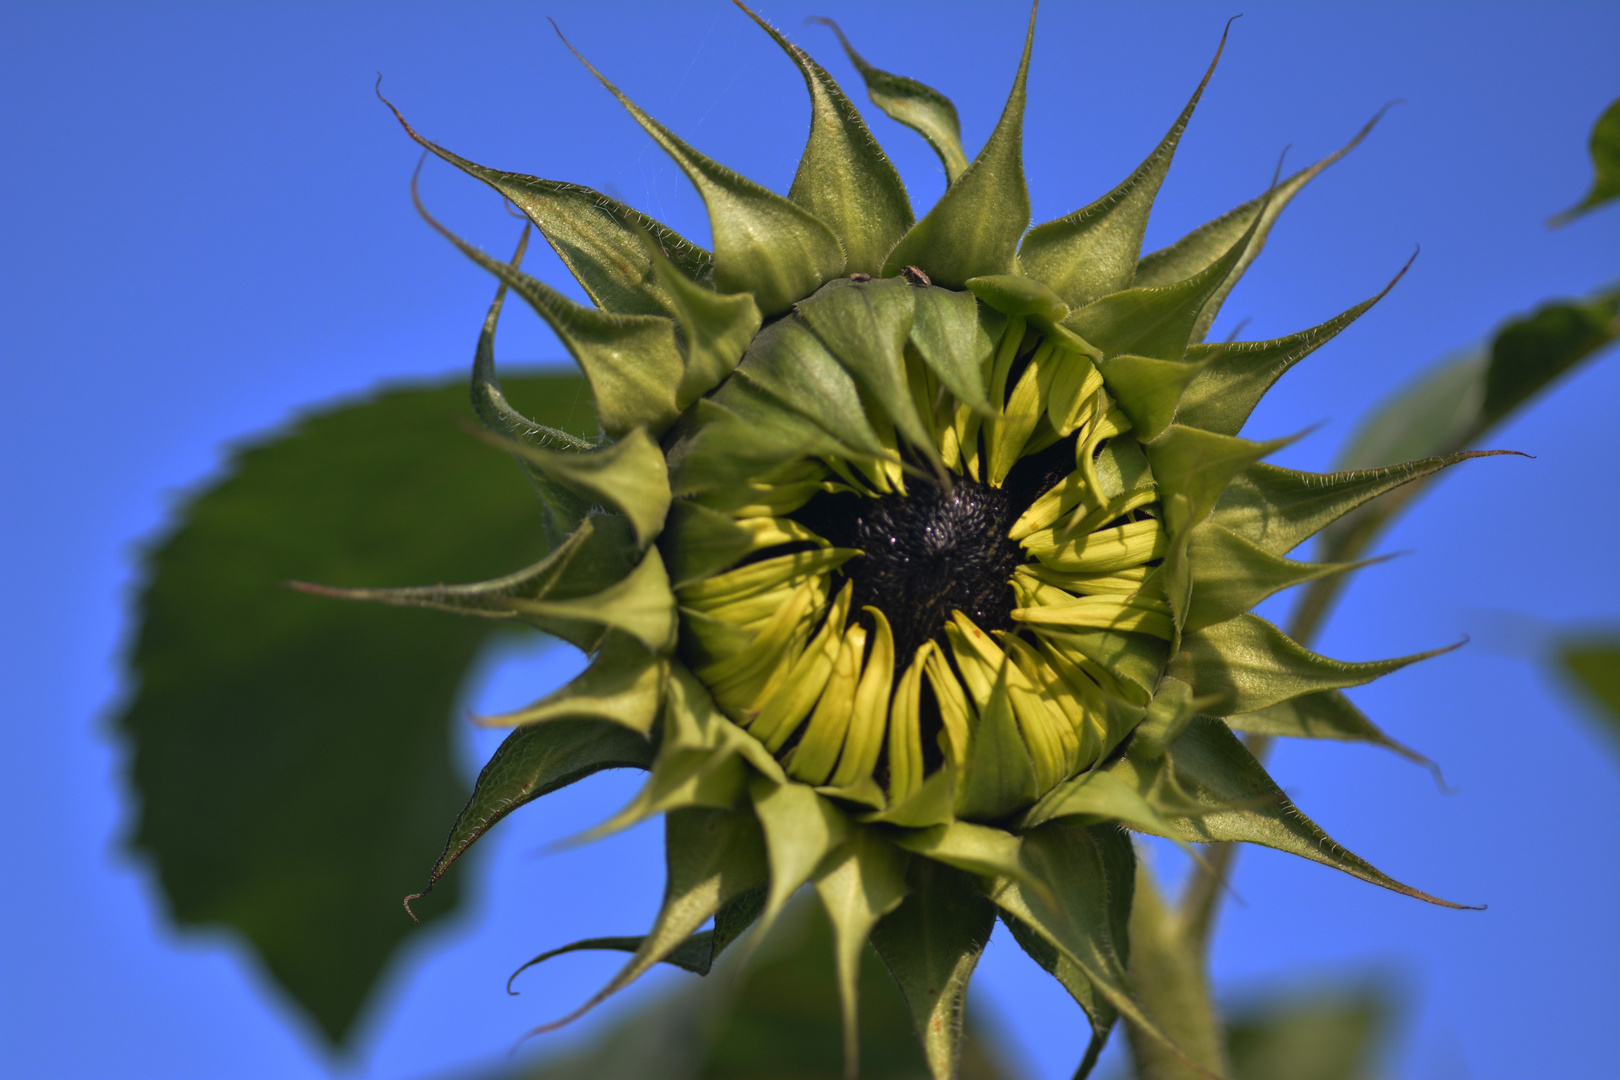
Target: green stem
(1167, 970)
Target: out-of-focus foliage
(292, 755)
(1605, 147)
(1452, 407)
(775, 1018)
(1329, 1033)
(1592, 662)
(1455, 403)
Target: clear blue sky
(207, 228)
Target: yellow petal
(956, 713)
(1115, 581)
(759, 577)
(905, 732)
(758, 498)
(1071, 491)
(784, 703)
(982, 662)
(813, 759)
(1118, 548)
(1083, 520)
(1048, 605)
(1074, 382)
(738, 679)
(1008, 435)
(864, 742)
(1072, 730)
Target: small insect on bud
(915, 275)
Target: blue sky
(207, 229)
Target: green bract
(916, 557)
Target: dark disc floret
(925, 555)
(935, 550)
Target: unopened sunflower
(915, 556)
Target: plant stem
(1168, 972)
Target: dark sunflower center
(926, 554)
(932, 552)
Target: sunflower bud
(916, 557)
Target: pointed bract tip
(525, 966)
(577, 54)
(1209, 72)
(1289, 440)
(764, 24)
(377, 89)
(313, 589)
(760, 19)
(1355, 140)
(421, 208)
(1276, 173)
(854, 57)
(1382, 109)
(1417, 249)
(581, 58)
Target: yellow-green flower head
(916, 556)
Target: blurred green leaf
(1333, 1033)
(291, 753)
(778, 1019)
(1167, 968)
(1593, 662)
(1456, 403)
(1452, 407)
(1605, 148)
